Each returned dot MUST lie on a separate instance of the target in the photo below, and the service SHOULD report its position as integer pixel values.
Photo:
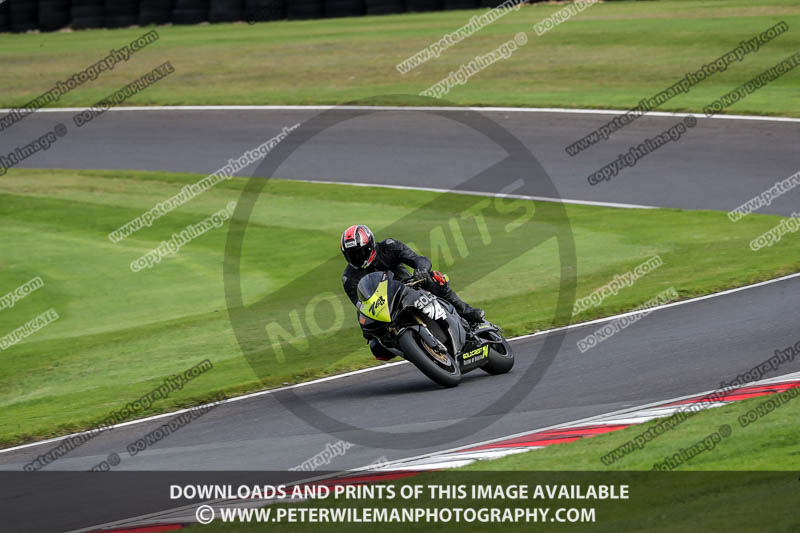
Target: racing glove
(421, 275)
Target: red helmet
(358, 246)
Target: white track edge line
(480, 193)
(659, 307)
(388, 365)
(217, 403)
(577, 111)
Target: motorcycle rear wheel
(417, 355)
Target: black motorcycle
(428, 332)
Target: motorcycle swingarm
(426, 336)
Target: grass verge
(122, 332)
(612, 54)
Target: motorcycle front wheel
(446, 373)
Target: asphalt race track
(672, 352)
(719, 164)
(676, 351)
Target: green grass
(741, 489)
(611, 55)
(121, 333)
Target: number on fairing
(431, 307)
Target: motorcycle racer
(364, 255)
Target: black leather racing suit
(392, 255)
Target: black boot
(473, 315)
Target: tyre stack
(344, 8)
(23, 15)
(87, 14)
(155, 12)
(53, 14)
(424, 5)
(461, 4)
(5, 22)
(190, 11)
(305, 9)
(226, 10)
(385, 7)
(264, 10)
(121, 13)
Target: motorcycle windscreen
(368, 285)
(373, 293)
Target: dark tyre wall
(23, 14)
(264, 10)
(344, 8)
(155, 12)
(190, 11)
(87, 14)
(385, 7)
(423, 5)
(461, 4)
(4, 20)
(121, 13)
(226, 10)
(306, 9)
(53, 14)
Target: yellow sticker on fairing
(376, 306)
(482, 351)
